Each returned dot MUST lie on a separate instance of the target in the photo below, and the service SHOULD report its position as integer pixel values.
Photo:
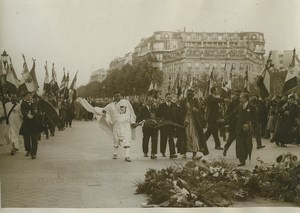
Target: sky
(86, 35)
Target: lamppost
(4, 59)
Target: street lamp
(4, 58)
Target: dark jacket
(167, 113)
(30, 126)
(212, 108)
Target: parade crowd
(183, 124)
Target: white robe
(11, 133)
(121, 116)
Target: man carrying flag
(226, 85)
(291, 77)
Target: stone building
(197, 52)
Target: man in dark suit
(247, 118)
(212, 117)
(232, 121)
(148, 113)
(167, 112)
(30, 128)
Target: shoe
(146, 155)
(153, 157)
(218, 148)
(184, 156)
(13, 152)
(27, 154)
(33, 157)
(283, 145)
(261, 147)
(115, 156)
(127, 159)
(173, 156)
(242, 163)
(224, 153)
(163, 155)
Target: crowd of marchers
(26, 117)
(243, 118)
(182, 124)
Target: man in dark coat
(167, 112)
(247, 118)
(232, 121)
(212, 117)
(31, 126)
(148, 113)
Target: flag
(66, 90)
(63, 83)
(26, 83)
(2, 68)
(226, 85)
(53, 82)
(151, 86)
(246, 80)
(291, 77)
(47, 87)
(73, 84)
(263, 80)
(33, 75)
(209, 84)
(12, 80)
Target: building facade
(197, 52)
(98, 75)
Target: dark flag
(263, 80)
(53, 82)
(47, 86)
(12, 81)
(209, 84)
(72, 90)
(291, 77)
(246, 81)
(63, 83)
(33, 75)
(73, 84)
(50, 111)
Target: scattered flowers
(199, 183)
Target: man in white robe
(122, 117)
(14, 114)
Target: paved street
(75, 169)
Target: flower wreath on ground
(200, 183)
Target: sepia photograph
(149, 105)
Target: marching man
(122, 118)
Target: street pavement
(75, 169)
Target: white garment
(121, 116)
(15, 121)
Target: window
(197, 65)
(189, 64)
(207, 66)
(233, 66)
(167, 36)
(220, 38)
